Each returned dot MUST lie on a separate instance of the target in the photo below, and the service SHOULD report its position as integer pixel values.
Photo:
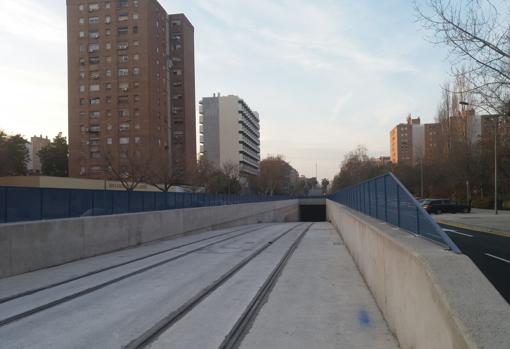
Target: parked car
(439, 206)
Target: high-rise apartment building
(230, 133)
(182, 103)
(401, 141)
(120, 72)
(36, 144)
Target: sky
(324, 75)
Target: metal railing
(19, 204)
(387, 199)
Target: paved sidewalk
(484, 221)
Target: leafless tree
(161, 175)
(477, 34)
(130, 169)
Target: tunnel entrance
(312, 211)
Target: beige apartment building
(401, 141)
(120, 76)
(230, 133)
(36, 144)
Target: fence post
(385, 200)
(369, 198)
(398, 205)
(41, 203)
(418, 221)
(376, 200)
(69, 203)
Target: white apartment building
(230, 133)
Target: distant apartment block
(230, 133)
(401, 141)
(121, 73)
(36, 144)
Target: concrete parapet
(30, 246)
(429, 296)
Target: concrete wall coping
(476, 309)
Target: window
(123, 58)
(124, 126)
(93, 48)
(82, 88)
(107, 4)
(108, 32)
(108, 59)
(82, 49)
(123, 99)
(108, 99)
(123, 3)
(81, 7)
(83, 101)
(123, 113)
(82, 20)
(95, 155)
(136, 43)
(82, 62)
(137, 140)
(95, 75)
(123, 72)
(93, 20)
(95, 114)
(122, 31)
(136, 57)
(177, 72)
(135, 3)
(94, 34)
(176, 23)
(122, 17)
(82, 113)
(136, 98)
(108, 45)
(124, 140)
(82, 34)
(108, 141)
(94, 88)
(123, 86)
(93, 7)
(135, 29)
(82, 75)
(95, 128)
(135, 16)
(95, 100)
(137, 113)
(108, 72)
(108, 19)
(93, 60)
(122, 45)
(136, 71)
(108, 86)
(136, 84)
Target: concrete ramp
(285, 285)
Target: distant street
(490, 253)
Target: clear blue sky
(325, 75)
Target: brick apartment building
(121, 73)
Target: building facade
(401, 140)
(230, 133)
(182, 102)
(120, 71)
(34, 162)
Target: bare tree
(161, 175)
(478, 36)
(130, 169)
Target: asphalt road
(490, 253)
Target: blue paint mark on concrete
(364, 318)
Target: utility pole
(421, 175)
(496, 165)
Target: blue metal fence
(387, 199)
(28, 204)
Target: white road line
(498, 258)
(456, 232)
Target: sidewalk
(484, 221)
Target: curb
(479, 229)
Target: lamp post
(496, 165)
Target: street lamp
(496, 165)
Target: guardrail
(387, 199)
(19, 204)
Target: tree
(161, 175)
(54, 157)
(324, 185)
(202, 173)
(477, 36)
(130, 169)
(274, 175)
(13, 155)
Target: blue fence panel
(80, 203)
(104, 203)
(135, 201)
(3, 205)
(55, 203)
(387, 199)
(149, 201)
(24, 204)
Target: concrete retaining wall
(30, 246)
(430, 297)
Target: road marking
(498, 258)
(456, 232)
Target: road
(288, 285)
(490, 253)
